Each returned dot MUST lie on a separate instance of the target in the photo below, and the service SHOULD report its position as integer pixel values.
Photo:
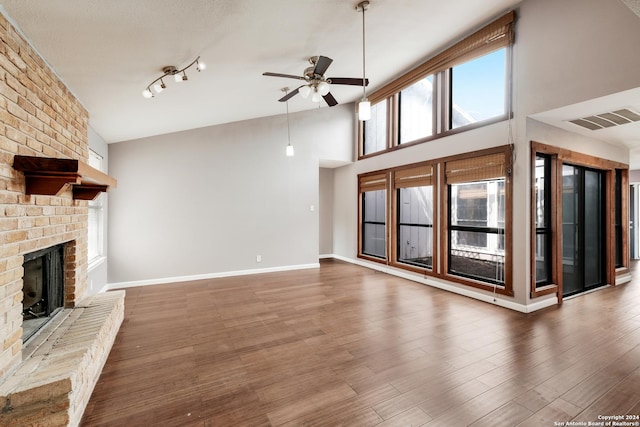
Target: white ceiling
(107, 52)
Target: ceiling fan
(316, 84)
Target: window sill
(96, 262)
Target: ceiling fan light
(316, 97)
(323, 88)
(147, 93)
(364, 110)
(304, 91)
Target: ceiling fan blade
(290, 95)
(322, 65)
(288, 76)
(348, 81)
(331, 101)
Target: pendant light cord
(288, 131)
(364, 73)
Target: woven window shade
(372, 182)
(415, 177)
(494, 36)
(475, 168)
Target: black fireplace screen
(43, 283)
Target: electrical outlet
(258, 258)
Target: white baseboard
(440, 284)
(165, 280)
(624, 278)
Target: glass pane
(478, 89)
(93, 232)
(543, 273)
(469, 260)
(415, 226)
(469, 204)
(476, 235)
(416, 111)
(373, 223)
(593, 222)
(374, 206)
(571, 271)
(542, 224)
(375, 129)
(618, 218)
(374, 242)
(541, 170)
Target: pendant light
(289, 150)
(364, 106)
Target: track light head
(159, 87)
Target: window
(448, 218)
(96, 220)
(373, 195)
(478, 89)
(414, 216)
(476, 206)
(375, 129)
(542, 220)
(463, 86)
(476, 234)
(416, 111)
(618, 219)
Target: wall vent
(609, 119)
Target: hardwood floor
(344, 345)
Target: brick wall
(38, 117)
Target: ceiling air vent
(606, 120)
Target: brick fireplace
(40, 117)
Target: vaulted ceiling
(107, 52)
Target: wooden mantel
(50, 176)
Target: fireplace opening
(43, 288)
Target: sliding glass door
(583, 220)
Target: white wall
(566, 51)
(326, 211)
(97, 273)
(208, 201)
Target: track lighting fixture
(179, 75)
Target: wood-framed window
(544, 210)
(372, 206)
(557, 174)
(443, 95)
(423, 233)
(621, 216)
(476, 227)
(413, 217)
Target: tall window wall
(464, 87)
(464, 239)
